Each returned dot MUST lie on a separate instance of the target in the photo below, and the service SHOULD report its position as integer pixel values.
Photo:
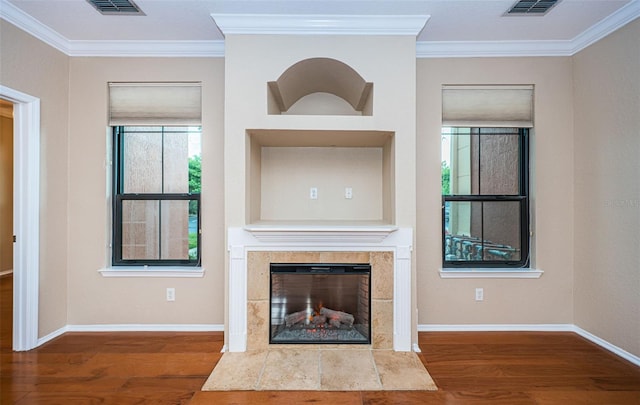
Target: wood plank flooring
(170, 368)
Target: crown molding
(482, 49)
(613, 22)
(491, 49)
(318, 24)
(25, 22)
(173, 49)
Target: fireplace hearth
(320, 303)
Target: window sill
(490, 273)
(152, 271)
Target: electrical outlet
(171, 294)
(479, 294)
(348, 193)
(313, 193)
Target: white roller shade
(155, 104)
(487, 106)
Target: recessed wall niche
(352, 171)
(320, 86)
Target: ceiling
(186, 27)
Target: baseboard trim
(606, 345)
(421, 328)
(132, 328)
(535, 328)
(498, 328)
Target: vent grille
(534, 7)
(116, 7)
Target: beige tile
(294, 369)
(402, 371)
(257, 325)
(382, 325)
(258, 275)
(236, 371)
(382, 275)
(344, 257)
(295, 257)
(348, 370)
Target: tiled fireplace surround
(387, 249)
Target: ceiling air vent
(116, 7)
(532, 7)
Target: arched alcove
(320, 75)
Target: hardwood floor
(170, 368)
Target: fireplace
(320, 303)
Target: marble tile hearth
(319, 369)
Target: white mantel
(242, 240)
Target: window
(485, 176)
(156, 204)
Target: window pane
(480, 161)
(155, 229)
(175, 230)
(159, 160)
(501, 230)
(498, 162)
(142, 161)
(461, 237)
(140, 229)
(482, 231)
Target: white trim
(175, 49)
(152, 271)
(27, 23)
(147, 328)
(533, 328)
(421, 328)
(567, 327)
(49, 337)
(319, 24)
(315, 234)
(240, 242)
(485, 49)
(132, 328)
(490, 273)
(611, 347)
(26, 217)
(606, 26)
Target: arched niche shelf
(320, 86)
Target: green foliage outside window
(446, 178)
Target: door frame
(26, 216)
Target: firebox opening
(320, 303)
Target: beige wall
(6, 186)
(547, 300)
(388, 62)
(285, 185)
(607, 188)
(584, 185)
(94, 299)
(31, 67)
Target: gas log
(295, 318)
(336, 318)
(326, 316)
